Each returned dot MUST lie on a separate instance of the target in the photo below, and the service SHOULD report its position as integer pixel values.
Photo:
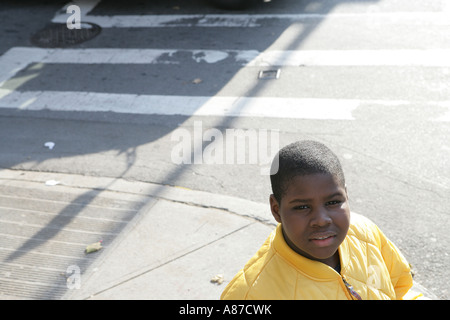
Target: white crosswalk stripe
(253, 20)
(294, 108)
(245, 58)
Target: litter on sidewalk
(93, 247)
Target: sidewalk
(159, 242)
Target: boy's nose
(321, 218)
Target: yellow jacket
(370, 265)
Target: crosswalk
(304, 108)
(324, 108)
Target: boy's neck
(333, 262)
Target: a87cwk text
(233, 309)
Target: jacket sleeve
(398, 268)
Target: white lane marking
(398, 58)
(254, 20)
(17, 58)
(293, 108)
(326, 109)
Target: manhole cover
(57, 35)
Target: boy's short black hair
(303, 158)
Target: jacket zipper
(350, 289)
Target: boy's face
(314, 215)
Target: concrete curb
(246, 208)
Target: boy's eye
(301, 207)
(333, 203)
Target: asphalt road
(375, 74)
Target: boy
(318, 251)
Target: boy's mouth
(323, 239)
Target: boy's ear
(275, 208)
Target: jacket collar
(311, 268)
